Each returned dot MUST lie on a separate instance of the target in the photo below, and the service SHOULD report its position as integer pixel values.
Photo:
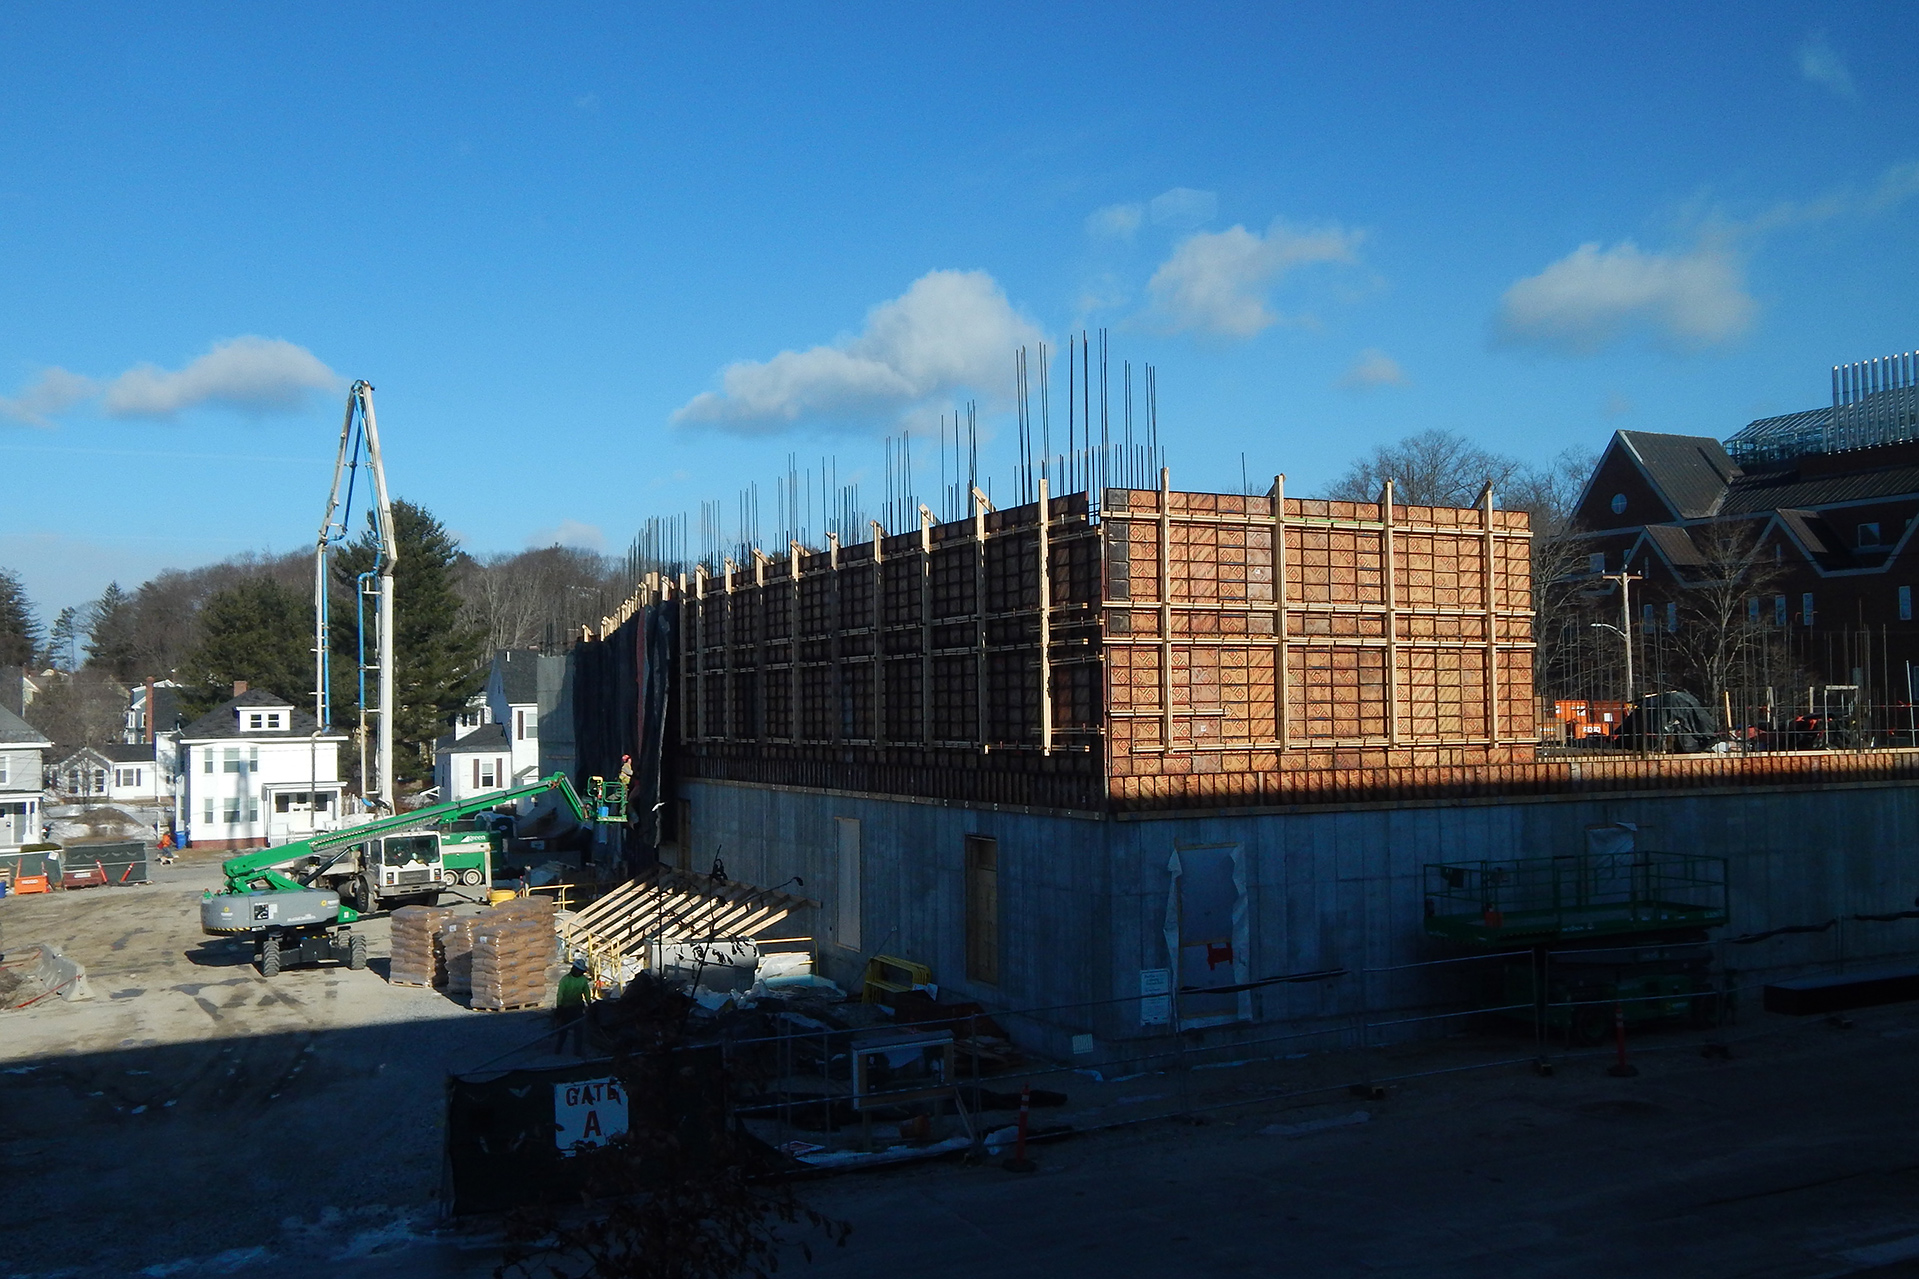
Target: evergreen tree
(19, 628)
(438, 656)
(258, 630)
(110, 622)
(63, 641)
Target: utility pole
(1625, 581)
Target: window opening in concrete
(982, 909)
(849, 888)
(1209, 936)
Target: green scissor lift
(1606, 930)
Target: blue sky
(607, 262)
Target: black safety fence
(824, 1085)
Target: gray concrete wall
(1083, 901)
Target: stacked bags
(417, 958)
(515, 954)
(456, 953)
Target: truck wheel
(356, 952)
(270, 957)
(471, 878)
(363, 897)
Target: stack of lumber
(417, 957)
(673, 906)
(456, 953)
(514, 955)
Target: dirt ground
(195, 1110)
(196, 1120)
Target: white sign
(587, 1113)
(1155, 996)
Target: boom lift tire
(269, 956)
(363, 896)
(356, 952)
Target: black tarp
(1675, 721)
(623, 705)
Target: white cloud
(950, 330)
(1592, 297)
(586, 537)
(49, 395)
(1183, 208)
(250, 374)
(1115, 221)
(1217, 282)
(1821, 64)
(1373, 368)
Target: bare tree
(538, 598)
(1725, 622)
(1432, 468)
(82, 708)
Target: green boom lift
(272, 895)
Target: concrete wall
(1083, 900)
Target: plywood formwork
(1164, 668)
(1398, 637)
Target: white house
(20, 780)
(513, 702)
(472, 762)
(255, 771)
(115, 772)
(154, 718)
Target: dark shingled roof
(519, 675)
(1676, 545)
(15, 731)
(222, 722)
(1691, 471)
(487, 737)
(1765, 492)
(122, 753)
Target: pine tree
(110, 624)
(63, 641)
(437, 655)
(19, 628)
(257, 630)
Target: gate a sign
(587, 1113)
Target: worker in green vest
(569, 1009)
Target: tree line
(251, 618)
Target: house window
(6, 766)
(1596, 563)
(209, 810)
(256, 720)
(1805, 608)
(207, 758)
(1672, 618)
(1646, 618)
(230, 761)
(1905, 613)
(1618, 503)
(519, 726)
(253, 808)
(232, 810)
(1778, 610)
(1752, 610)
(99, 781)
(273, 719)
(982, 909)
(1869, 535)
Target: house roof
(1676, 545)
(487, 737)
(519, 675)
(125, 753)
(221, 722)
(1692, 472)
(1769, 491)
(15, 731)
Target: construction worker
(569, 1008)
(626, 772)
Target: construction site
(936, 835)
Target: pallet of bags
(511, 954)
(455, 937)
(417, 959)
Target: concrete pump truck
(283, 898)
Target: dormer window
(262, 721)
(1869, 535)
